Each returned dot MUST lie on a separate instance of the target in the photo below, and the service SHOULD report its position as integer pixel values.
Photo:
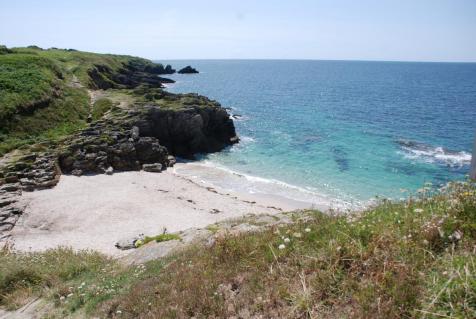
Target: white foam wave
(429, 154)
(246, 139)
(226, 178)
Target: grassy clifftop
(43, 93)
(411, 259)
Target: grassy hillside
(412, 259)
(43, 93)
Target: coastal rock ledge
(147, 135)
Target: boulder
(152, 168)
(128, 243)
(171, 161)
(77, 172)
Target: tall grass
(411, 259)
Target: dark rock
(187, 70)
(11, 179)
(234, 140)
(189, 131)
(153, 168)
(169, 69)
(77, 172)
(6, 201)
(10, 187)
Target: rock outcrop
(145, 138)
(37, 170)
(187, 70)
(132, 74)
(189, 131)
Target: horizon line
(308, 59)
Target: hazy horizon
(344, 30)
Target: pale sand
(94, 212)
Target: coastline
(94, 212)
(211, 174)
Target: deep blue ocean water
(344, 130)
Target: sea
(339, 133)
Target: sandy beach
(94, 212)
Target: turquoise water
(344, 130)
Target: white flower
(118, 312)
(297, 235)
(281, 246)
(307, 230)
(62, 298)
(418, 210)
(287, 240)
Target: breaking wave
(431, 154)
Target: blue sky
(406, 30)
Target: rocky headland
(105, 134)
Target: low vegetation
(158, 239)
(43, 93)
(411, 259)
(100, 107)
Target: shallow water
(339, 131)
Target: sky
(390, 30)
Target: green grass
(100, 107)
(63, 116)
(411, 259)
(43, 93)
(25, 80)
(80, 62)
(37, 99)
(159, 238)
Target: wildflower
(287, 240)
(425, 242)
(62, 298)
(441, 232)
(119, 312)
(281, 246)
(456, 236)
(418, 210)
(307, 230)
(297, 235)
(338, 248)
